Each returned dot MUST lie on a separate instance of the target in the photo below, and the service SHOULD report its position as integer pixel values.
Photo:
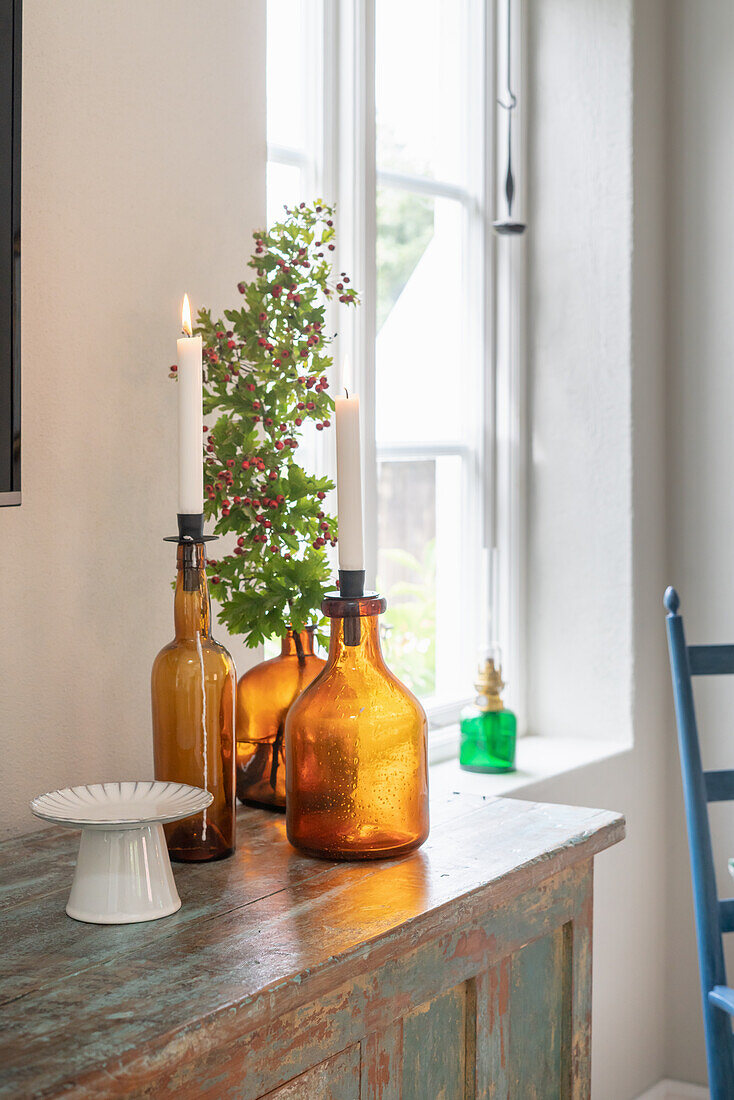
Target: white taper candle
(349, 483)
(190, 419)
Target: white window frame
(340, 166)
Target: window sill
(537, 758)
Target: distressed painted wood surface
(462, 970)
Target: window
(388, 108)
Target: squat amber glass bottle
(264, 695)
(193, 687)
(356, 753)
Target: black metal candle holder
(351, 587)
(190, 532)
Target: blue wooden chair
(713, 917)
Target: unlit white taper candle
(349, 483)
(190, 419)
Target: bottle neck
(191, 606)
(297, 644)
(367, 649)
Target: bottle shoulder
(337, 688)
(182, 652)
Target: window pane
(424, 383)
(286, 50)
(284, 188)
(406, 569)
(420, 563)
(419, 88)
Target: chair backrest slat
(712, 917)
(711, 660)
(719, 785)
(726, 914)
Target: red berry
(267, 523)
(274, 550)
(273, 476)
(276, 362)
(174, 368)
(255, 503)
(323, 527)
(204, 428)
(319, 515)
(242, 287)
(256, 404)
(310, 383)
(251, 386)
(230, 463)
(246, 501)
(310, 405)
(282, 427)
(216, 580)
(301, 378)
(303, 353)
(238, 500)
(240, 541)
(279, 446)
(301, 405)
(321, 495)
(287, 555)
(245, 464)
(327, 423)
(298, 422)
(276, 291)
(268, 420)
(262, 317)
(319, 427)
(256, 419)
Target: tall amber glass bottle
(264, 695)
(193, 686)
(355, 748)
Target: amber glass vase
(264, 695)
(355, 748)
(193, 686)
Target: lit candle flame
(347, 375)
(186, 316)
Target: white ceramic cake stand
(123, 873)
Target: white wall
(143, 176)
(597, 477)
(701, 448)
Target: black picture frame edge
(13, 497)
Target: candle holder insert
(351, 587)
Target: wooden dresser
(463, 970)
